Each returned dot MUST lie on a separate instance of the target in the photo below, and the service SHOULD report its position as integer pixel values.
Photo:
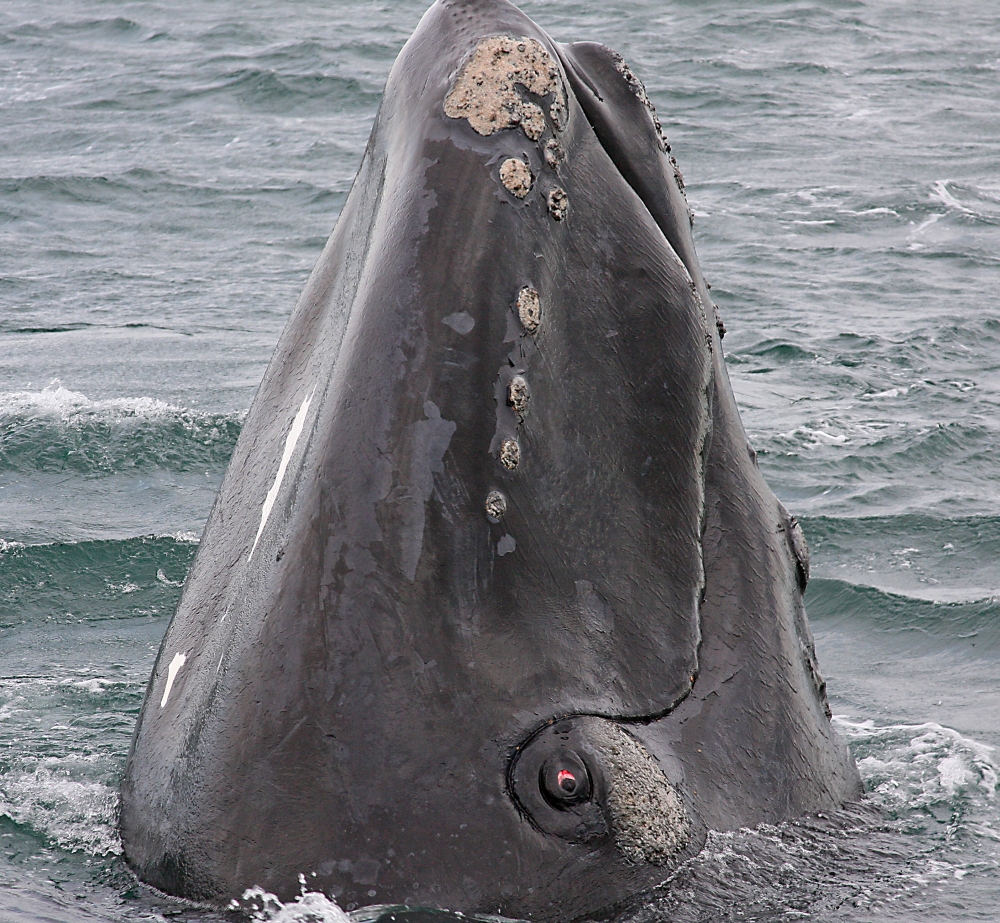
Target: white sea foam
(815, 437)
(942, 194)
(308, 907)
(911, 766)
(73, 814)
(61, 403)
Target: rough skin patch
(529, 309)
(516, 176)
(553, 153)
(517, 394)
(485, 91)
(496, 505)
(639, 91)
(510, 454)
(558, 203)
(648, 820)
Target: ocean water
(168, 175)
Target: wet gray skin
(494, 611)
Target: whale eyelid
(290, 441)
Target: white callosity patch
(486, 89)
(510, 454)
(290, 441)
(175, 664)
(516, 177)
(558, 203)
(647, 817)
(529, 309)
(517, 394)
(496, 505)
(639, 91)
(553, 153)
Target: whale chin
(494, 610)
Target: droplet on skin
(510, 454)
(529, 309)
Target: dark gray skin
(380, 683)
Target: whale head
(494, 611)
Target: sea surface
(168, 175)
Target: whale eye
(565, 781)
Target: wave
(909, 768)
(61, 430)
(941, 624)
(75, 815)
(139, 183)
(92, 581)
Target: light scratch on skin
(290, 441)
(175, 664)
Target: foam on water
(68, 813)
(60, 430)
(307, 907)
(910, 767)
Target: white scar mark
(272, 494)
(175, 665)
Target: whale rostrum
(494, 610)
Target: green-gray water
(170, 172)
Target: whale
(494, 611)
